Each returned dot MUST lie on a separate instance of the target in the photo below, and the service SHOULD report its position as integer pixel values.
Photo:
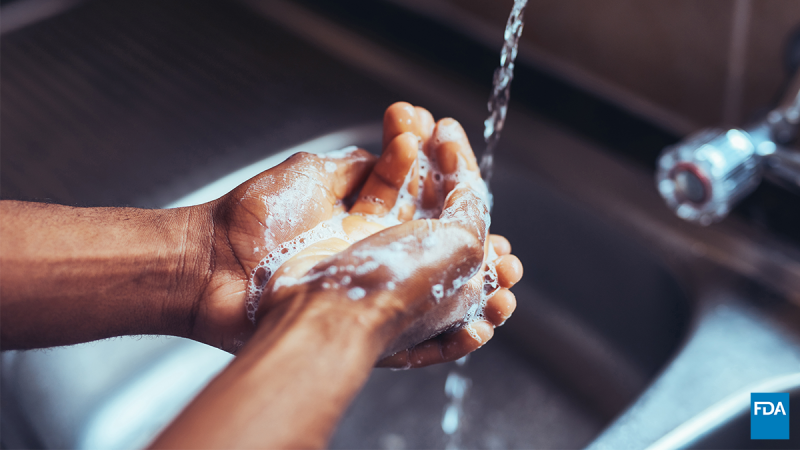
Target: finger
(390, 175)
(452, 151)
(509, 270)
(358, 227)
(468, 208)
(345, 172)
(425, 125)
(500, 306)
(402, 117)
(500, 244)
(443, 348)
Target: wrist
(187, 240)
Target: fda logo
(769, 416)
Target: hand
(256, 218)
(392, 194)
(277, 206)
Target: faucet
(702, 177)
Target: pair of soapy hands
(280, 204)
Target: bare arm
(70, 275)
(288, 387)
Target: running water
(457, 384)
(501, 88)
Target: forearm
(289, 386)
(71, 275)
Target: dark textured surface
(139, 102)
(583, 112)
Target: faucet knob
(702, 177)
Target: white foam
(438, 292)
(356, 293)
(281, 253)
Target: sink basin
(592, 303)
(598, 317)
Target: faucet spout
(703, 177)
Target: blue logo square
(769, 416)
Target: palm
(254, 219)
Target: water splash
(501, 88)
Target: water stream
(501, 88)
(458, 383)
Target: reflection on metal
(360, 135)
(722, 412)
(734, 348)
(724, 166)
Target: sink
(631, 324)
(598, 317)
(726, 424)
(571, 321)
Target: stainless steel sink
(631, 323)
(598, 317)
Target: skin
(406, 129)
(70, 275)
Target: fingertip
(398, 118)
(481, 331)
(509, 270)
(500, 306)
(466, 340)
(403, 150)
(500, 244)
(450, 143)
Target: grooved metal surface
(126, 102)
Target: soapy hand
(437, 275)
(277, 226)
(256, 218)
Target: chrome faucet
(702, 177)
